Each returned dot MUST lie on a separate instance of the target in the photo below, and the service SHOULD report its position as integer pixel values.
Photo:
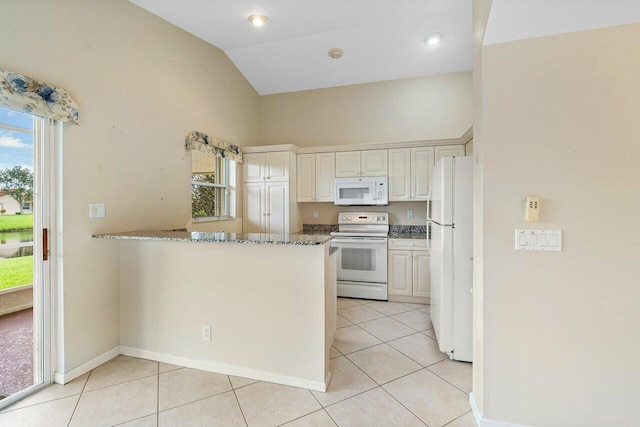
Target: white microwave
(367, 191)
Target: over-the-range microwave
(365, 191)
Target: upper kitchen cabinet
(347, 164)
(409, 173)
(374, 163)
(315, 174)
(399, 174)
(269, 195)
(449, 150)
(272, 166)
(422, 162)
(361, 163)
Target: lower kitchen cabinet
(409, 270)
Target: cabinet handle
(268, 177)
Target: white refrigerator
(451, 223)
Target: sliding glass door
(23, 254)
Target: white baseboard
(474, 409)
(222, 368)
(486, 422)
(59, 378)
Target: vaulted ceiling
(381, 39)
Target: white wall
(481, 10)
(419, 109)
(561, 330)
(141, 85)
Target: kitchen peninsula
(269, 300)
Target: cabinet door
(421, 274)
(347, 164)
(325, 174)
(306, 178)
(374, 163)
(253, 167)
(254, 217)
(448, 150)
(400, 273)
(399, 174)
(277, 166)
(421, 167)
(277, 201)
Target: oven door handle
(359, 241)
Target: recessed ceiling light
(433, 39)
(258, 20)
(336, 53)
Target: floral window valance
(198, 141)
(25, 94)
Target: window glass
(209, 186)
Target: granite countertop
(251, 238)
(408, 232)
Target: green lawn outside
(16, 222)
(16, 272)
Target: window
(211, 185)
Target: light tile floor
(387, 371)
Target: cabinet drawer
(408, 244)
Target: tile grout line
(8, 408)
(135, 419)
(410, 373)
(456, 419)
(237, 401)
(444, 379)
(309, 413)
(329, 415)
(197, 400)
(403, 405)
(123, 382)
(79, 398)
(351, 397)
(158, 399)
(381, 386)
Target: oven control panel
(363, 218)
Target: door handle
(45, 244)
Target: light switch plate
(96, 210)
(538, 240)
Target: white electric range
(362, 259)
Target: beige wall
(438, 107)
(267, 322)
(142, 85)
(561, 329)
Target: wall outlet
(206, 333)
(410, 214)
(315, 214)
(96, 210)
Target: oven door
(361, 259)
